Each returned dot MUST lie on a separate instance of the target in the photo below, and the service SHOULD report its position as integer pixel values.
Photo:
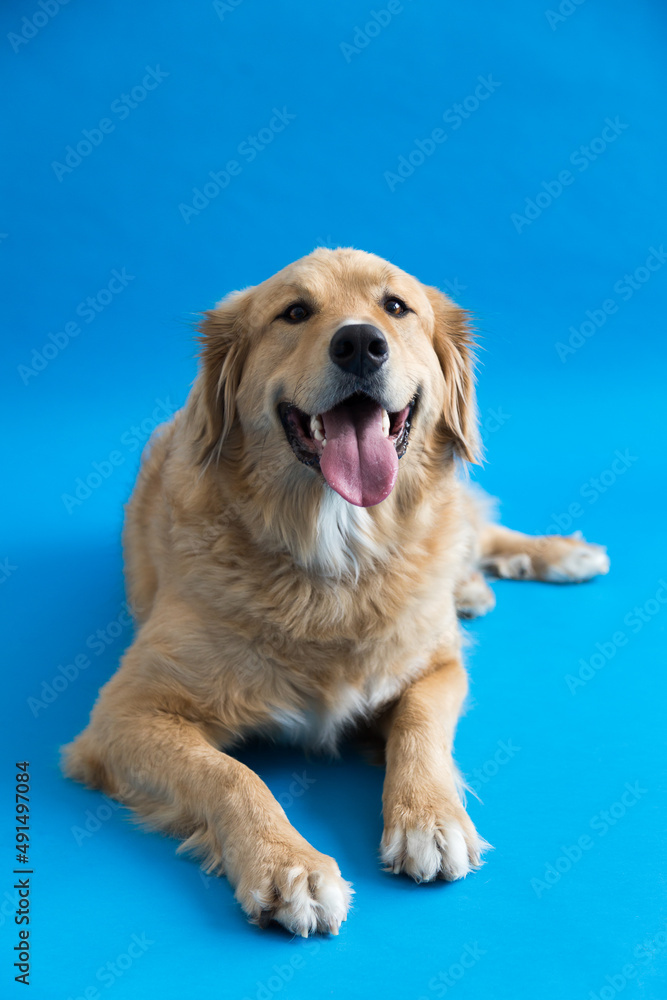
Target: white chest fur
(320, 726)
(344, 537)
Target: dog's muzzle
(356, 445)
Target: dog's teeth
(324, 441)
(385, 423)
(315, 426)
(318, 434)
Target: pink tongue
(358, 461)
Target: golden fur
(268, 604)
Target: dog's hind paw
(474, 597)
(579, 562)
(551, 559)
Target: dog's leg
(551, 558)
(161, 761)
(427, 832)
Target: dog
(298, 548)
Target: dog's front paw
(303, 890)
(445, 846)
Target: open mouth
(356, 445)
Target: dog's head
(331, 368)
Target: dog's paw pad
(425, 853)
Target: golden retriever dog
(297, 547)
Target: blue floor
(160, 155)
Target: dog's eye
(296, 313)
(395, 307)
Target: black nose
(359, 348)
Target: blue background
(552, 428)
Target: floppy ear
(223, 340)
(454, 346)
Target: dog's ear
(224, 346)
(454, 346)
